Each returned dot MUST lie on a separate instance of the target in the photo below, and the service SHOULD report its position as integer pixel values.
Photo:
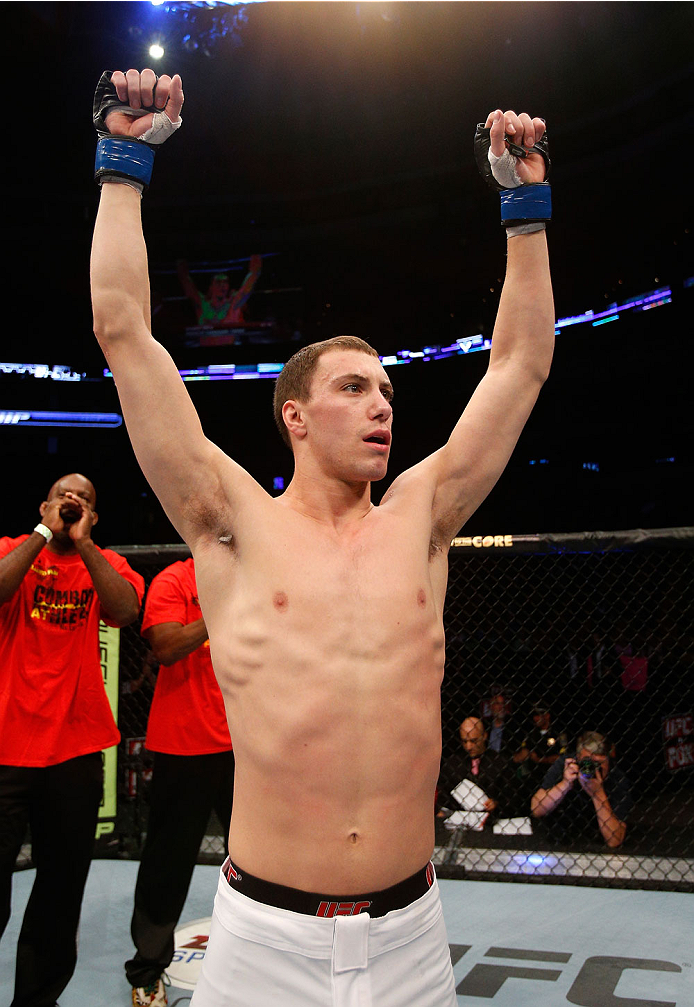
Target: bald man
(55, 587)
(480, 765)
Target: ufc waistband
(314, 904)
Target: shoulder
(7, 544)
(228, 504)
(171, 577)
(554, 773)
(417, 481)
(118, 562)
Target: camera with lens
(588, 768)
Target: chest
(376, 574)
(365, 572)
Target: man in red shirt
(193, 773)
(55, 718)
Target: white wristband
(42, 530)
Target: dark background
(335, 139)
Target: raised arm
(189, 288)
(467, 467)
(246, 288)
(190, 476)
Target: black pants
(61, 805)
(184, 790)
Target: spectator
(602, 797)
(543, 744)
(55, 718)
(221, 307)
(474, 780)
(193, 773)
(501, 734)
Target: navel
(421, 598)
(280, 601)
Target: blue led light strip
(663, 295)
(464, 345)
(33, 418)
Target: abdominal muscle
(335, 721)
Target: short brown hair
(594, 742)
(294, 380)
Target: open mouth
(70, 514)
(381, 437)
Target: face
(219, 289)
(348, 416)
(473, 737)
(497, 706)
(76, 485)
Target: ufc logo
(594, 986)
(330, 909)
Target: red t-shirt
(53, 705)
(187, 715)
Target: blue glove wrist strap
(124, 158)
(526, 204)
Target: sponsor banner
(109, 652)
(678, 741)
(190, 944)
(484, 542)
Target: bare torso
(328, 646)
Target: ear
(294, 418)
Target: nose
(381, 407)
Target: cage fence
(567, 710)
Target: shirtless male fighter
(324, 611)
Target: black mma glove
(525, 207)
(124, 157)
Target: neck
(62, 545)
(331, 501)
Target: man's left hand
(593, 785)
(139, 92)
(78, 517)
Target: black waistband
(313, 904)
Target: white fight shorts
(262, 956)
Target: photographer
(602, 794)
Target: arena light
(197, 26)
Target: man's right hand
(140, 91)
(51, 516)
(570, 771)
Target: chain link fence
(569, 651)
(550, 639)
